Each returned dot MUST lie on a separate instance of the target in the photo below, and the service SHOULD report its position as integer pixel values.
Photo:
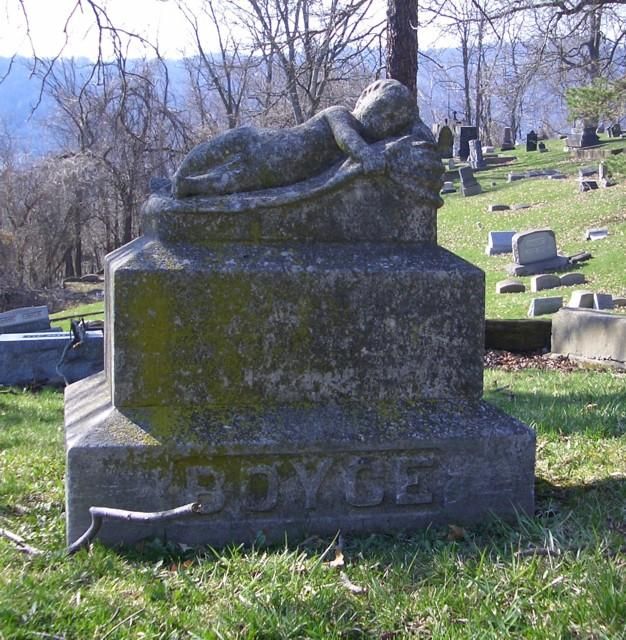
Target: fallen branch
(100, 514)
(19, 542)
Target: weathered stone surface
(596, 233)
(535, 252)
(510, 286)
(340, 204)
(591, 335)
(569, 279)
(463, 135)
(299, 470)
(475, 158)
(585, 172)
(544, 281)
(588, 185)
(519, 207)
(299, 357)
(581, 299)
(291, 322)
(448, 187)
(542, 306)
(498, 207)
(531, 141)
(36, 357)
(513, 177)
(507, 142)
(445, 141)
(469, 184)
(499, 242)
(602, 301)
(24, 320)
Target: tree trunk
(402, 42)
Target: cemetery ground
(558, 574)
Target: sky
(158, 20)
(155, 19)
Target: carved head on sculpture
(385, 108)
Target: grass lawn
(561, 574)
(558, 574)
(464, 224)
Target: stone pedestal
(295, 365)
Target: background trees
(117, 121)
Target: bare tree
(402, 42)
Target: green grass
(484, 582)
(77, 313)
(418, 584)
(464, 223)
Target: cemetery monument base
(295, 359)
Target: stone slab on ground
(286, 321)
(25, 320)
(543, 306)
(34, 358)
(293, 470)
(590, 335)
(596, 233)
(498, 207)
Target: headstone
(541, 147)
(507, 141)
(47, 358)
(619, 301)
(510, 286)
(488, 149)
(544, 281)
(587, 185)
(513, 177)
(535, 252)
(569, 279)
(598, 233)
(600, 128)
(543, 306)
(469, 184)
(476, 160)
(445, 141)
(461, 141)
(451, 164)
(590, 335)
(615, 130)
(581, 299)
(585, 172)
(583, 135)
(602, 301)
(24, 320)
(499, 242)
(498, 207)
(296, 359)
(531, 141)
(448, 187)
(603, 176)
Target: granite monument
(289, 351)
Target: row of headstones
(578, 300)
(499, 242)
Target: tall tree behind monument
(402, 42)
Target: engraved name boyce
(315, 484)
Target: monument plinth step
(292, 471)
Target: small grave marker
(469, 184)
(581, 300)
(542, 306)
(602, 301)
(569, 279)
(535, 252)
(499, 242)
(544, 281)
(510, 286)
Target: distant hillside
(19, 94)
